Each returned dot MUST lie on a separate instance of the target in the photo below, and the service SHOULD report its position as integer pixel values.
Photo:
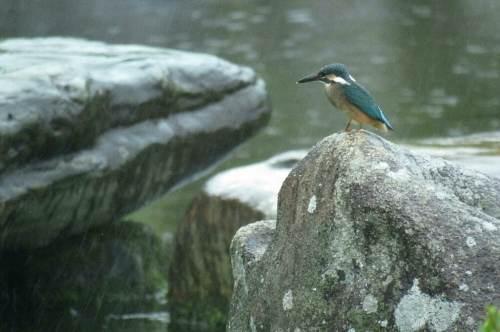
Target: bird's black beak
(310, 78)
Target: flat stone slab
(91, 131)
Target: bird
(350, 97)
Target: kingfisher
(350, 97)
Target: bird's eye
(322, 73)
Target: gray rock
(371, 236)
(248, 246)
(90, 131)
(200, 279)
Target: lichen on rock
(385, 217)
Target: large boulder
(200, 279)
(90, 131)
(371, 236)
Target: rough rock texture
(248, 246)
(371, 236)
(200, 278)
(90, 131)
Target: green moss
(92, 121)
(204, 315)
(364, 321)
(217, 320)
(492, 321)
(116, 268)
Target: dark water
(433, 67)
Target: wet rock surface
(90, 131)
(371, 236)
(200, 278)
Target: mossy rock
(199, 315)
(115, 269)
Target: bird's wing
(356, 94)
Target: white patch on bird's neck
(340, 80)
(352, 78)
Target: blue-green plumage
(359, 96)
(349, 96)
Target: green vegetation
(492, 323)
(117, 268)
(198, 315)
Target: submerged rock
(200, 279)
(371, 237)
(90, 131)
(79, 281)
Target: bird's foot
(346, 130)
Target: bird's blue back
(356, 94)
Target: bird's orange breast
(353, 112)
(357, 115)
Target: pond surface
(433, 67)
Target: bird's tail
(383, 127)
